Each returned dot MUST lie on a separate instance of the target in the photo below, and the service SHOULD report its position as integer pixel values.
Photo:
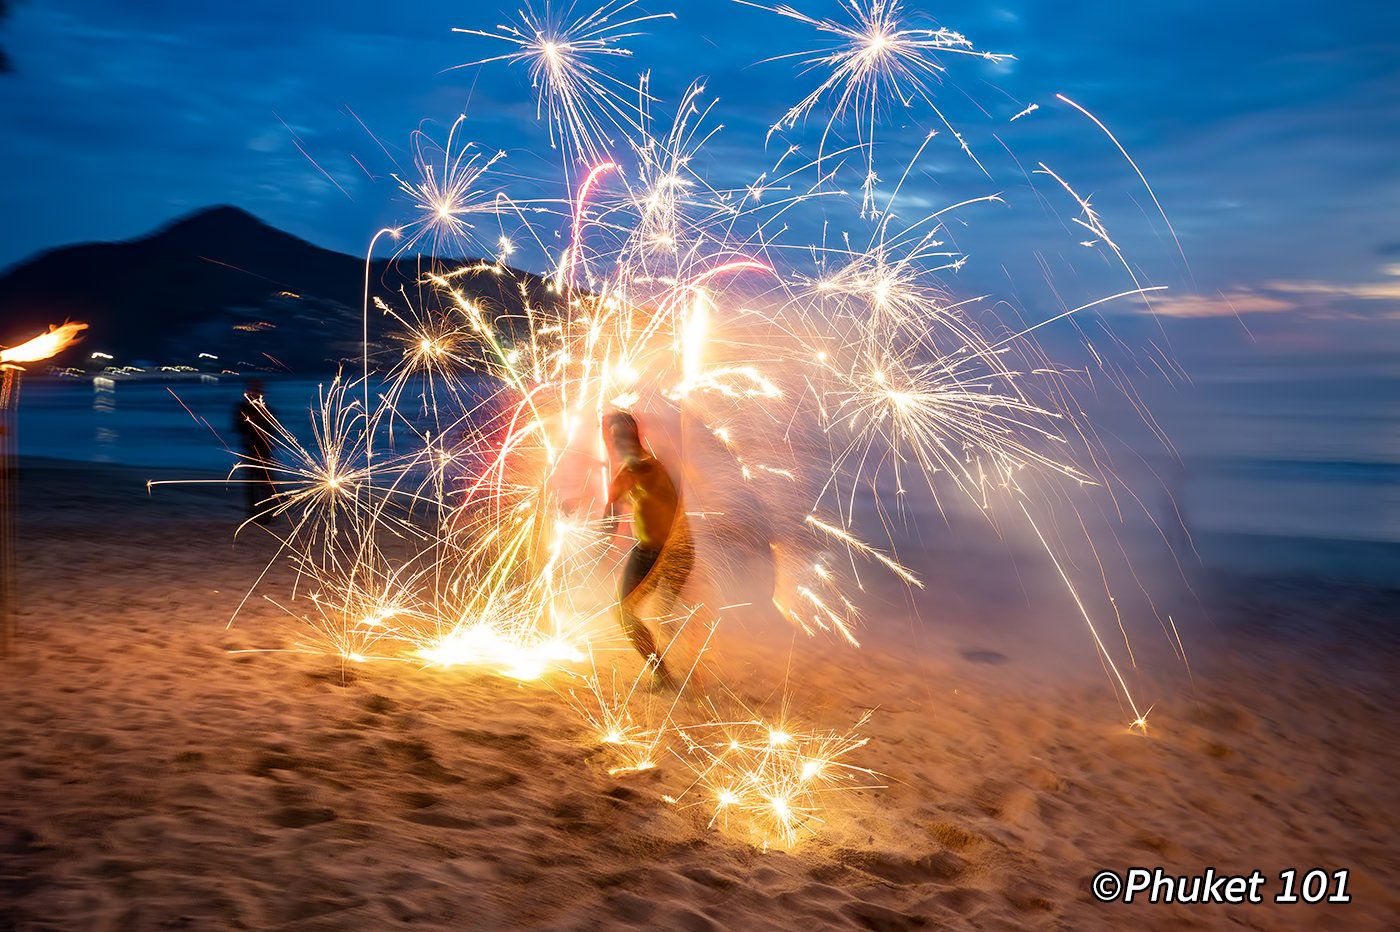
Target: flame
(58, 339)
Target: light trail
(447, 510)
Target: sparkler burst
(877, 61)
(446, 192)
(450, 508)
(769, 782)
(566, 54)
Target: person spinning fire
(658, 523)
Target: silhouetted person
(256, 424)
(659, 528)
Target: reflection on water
(104, 402)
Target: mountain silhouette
(220, 281)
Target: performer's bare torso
(643, 481)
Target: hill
(221, 282)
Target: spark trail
(449, 510)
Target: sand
(154, 778)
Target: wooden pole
(9, 467)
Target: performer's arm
(621, 484)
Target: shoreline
(1366, 563)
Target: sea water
(175, 425)
(1302, 448)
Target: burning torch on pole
(44, 346)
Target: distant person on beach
(662, 559)
(255, 423)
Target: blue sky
(1270, 132)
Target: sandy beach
(154, 777)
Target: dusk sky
(1269, 131)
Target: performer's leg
(632, 589)
(675, 573)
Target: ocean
(1288, 447)
(1270, 450)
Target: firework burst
(566, 54)
(446, 193)
(876, 61)
(450, 509)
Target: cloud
(1225, 304)
(1366, 291)
(1334, 300)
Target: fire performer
(662, 558)
(255, 423)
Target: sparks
(447, 511)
